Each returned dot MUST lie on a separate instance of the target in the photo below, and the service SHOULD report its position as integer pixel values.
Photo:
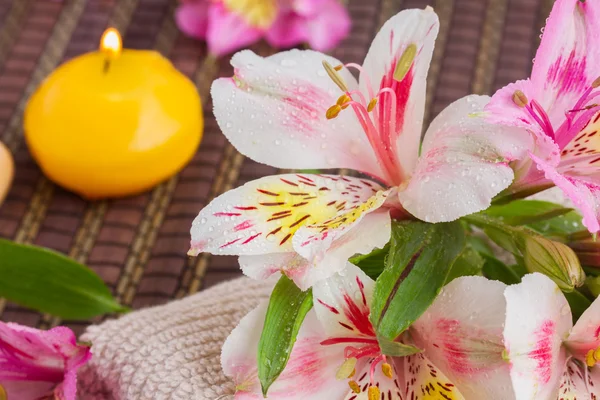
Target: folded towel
(171, 351)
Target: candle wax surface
(116, 132)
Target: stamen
(520, 99)
(405, 62)
(333, 111)
(596, 83)
(346, 369)
(374, 393)
(343, 99)
(354, 386)
(387, 370)
(335, 77)
(372, 104)
(338, 67)
(592, 357)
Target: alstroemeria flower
(549, 358)
(337, 355)
(229, 25)
(38, 364)
(558, 104)
(278, 110)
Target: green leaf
(561, 226)
(469, 262)
(578, 302)
(523, 212)
(396, 349)
(287, 308)
(419, 262)
(480, 244)
(373, 263)
(52, 283)
(496, 270)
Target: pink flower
(305, 110)
(229, 25)
(461, 358)
(558, 106)
(38, 364)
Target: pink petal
(262, 216)
(538, 318)
(310, 372)
(463, 164)
(192, 18)
(585, 195)
(228, 32)
(461, 333)
(585, 335)
(400, 121)
(566, 62)
(274, 111)
(342, 303)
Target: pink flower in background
(559, 106)
(38, 364)
(229, 25)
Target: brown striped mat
(138, 245)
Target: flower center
(257, 13)
(382, 125)
(370, 350)
(592, 357)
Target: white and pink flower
(305, 110)
(38, 364)
(337, 355)
(549, 357)
(558, 106)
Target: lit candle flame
(111, 43)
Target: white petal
(423, 380)
(538, 319)
(403, 130)
(463, 164)
(310, 370)
(262, 216)
(342, 303)
(273, 111)
(263, 266)
(461, 334)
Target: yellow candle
(6, 171)
(112, 123)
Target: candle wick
(106, 65)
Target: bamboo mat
(138, 245)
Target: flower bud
(555, 260)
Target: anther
(333, 111)
(387, 370)
(520, 99)
(343, 99)
(346, 369)
(405, 62)
(335, 77)
(354, 386)
(338, 67)
(592, 357)
(374, 393)
(372, 104)
(596, 82)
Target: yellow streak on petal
(257, 13)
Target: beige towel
(171, 351)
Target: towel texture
(171, 351)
